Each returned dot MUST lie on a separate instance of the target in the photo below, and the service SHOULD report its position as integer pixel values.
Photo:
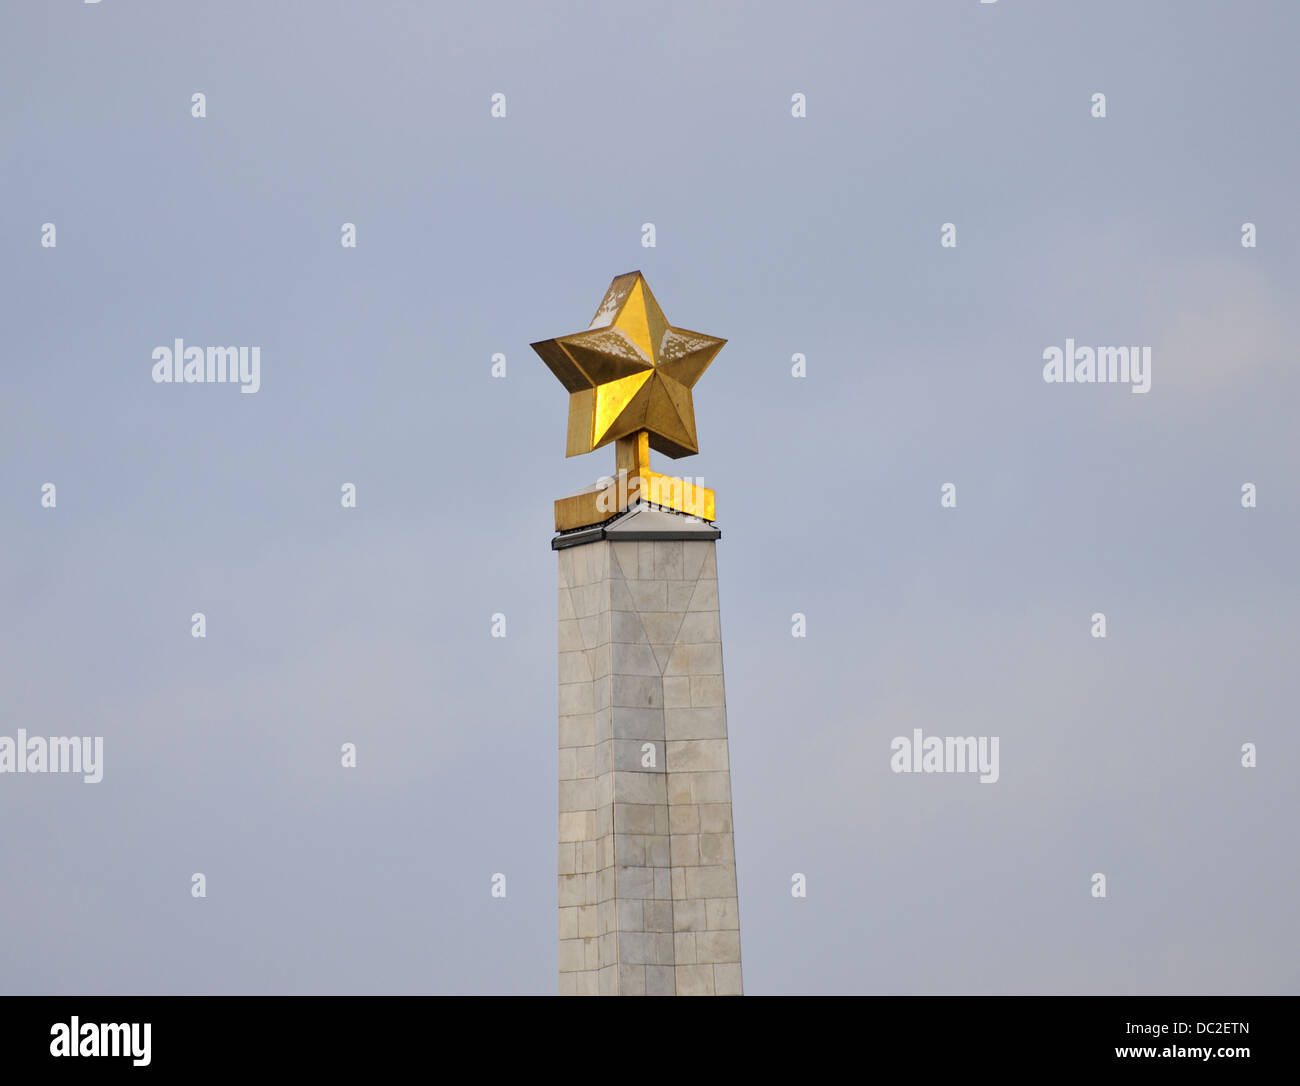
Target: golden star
(629, 371)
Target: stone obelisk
(647, 872)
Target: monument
(647, 871)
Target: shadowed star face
(630, 370)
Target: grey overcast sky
(819, 236)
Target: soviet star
(630, 371)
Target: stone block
(677, 694)
(707, 788)
(626, 556)
(629, 850)
(577, 826)
(597, 561)
(716, 848)
(717, 880)
(717, 946)
(690, 916)
(638, 691)
(693, 552)
(637, 948)
(603, 791)
(702, 723)
(695, 980)
(576, 567)
(625, 629)
(607, 982)
(706, 690)
(631, 979)
(649, 595)
(684, 818)
(726, 980)
(603, 761)
(685, 850)
(679, 595)
(705, 660)
(640, 787)
(574, 668)
(633, 658)
(578, 796)
(679, 661)
(640, 724)
(631, 915)
(620, 596)
(589, 599)
(656, 850)
(645, 560)
(661, 819)
(681, 790)
(661, 627)
(657, 916)
(634, 818)
(573, 955)
(572, 890)
(705, 597)
(700, 628)
(721, 914)
(660, 980)
(577, 699)
(715, 818)
(697, 755)
(635, 882)
(594, 630)
(668, 559)
(570, 636)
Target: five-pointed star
(630, 370)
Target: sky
(817, 235)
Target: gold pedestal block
(635, 482)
